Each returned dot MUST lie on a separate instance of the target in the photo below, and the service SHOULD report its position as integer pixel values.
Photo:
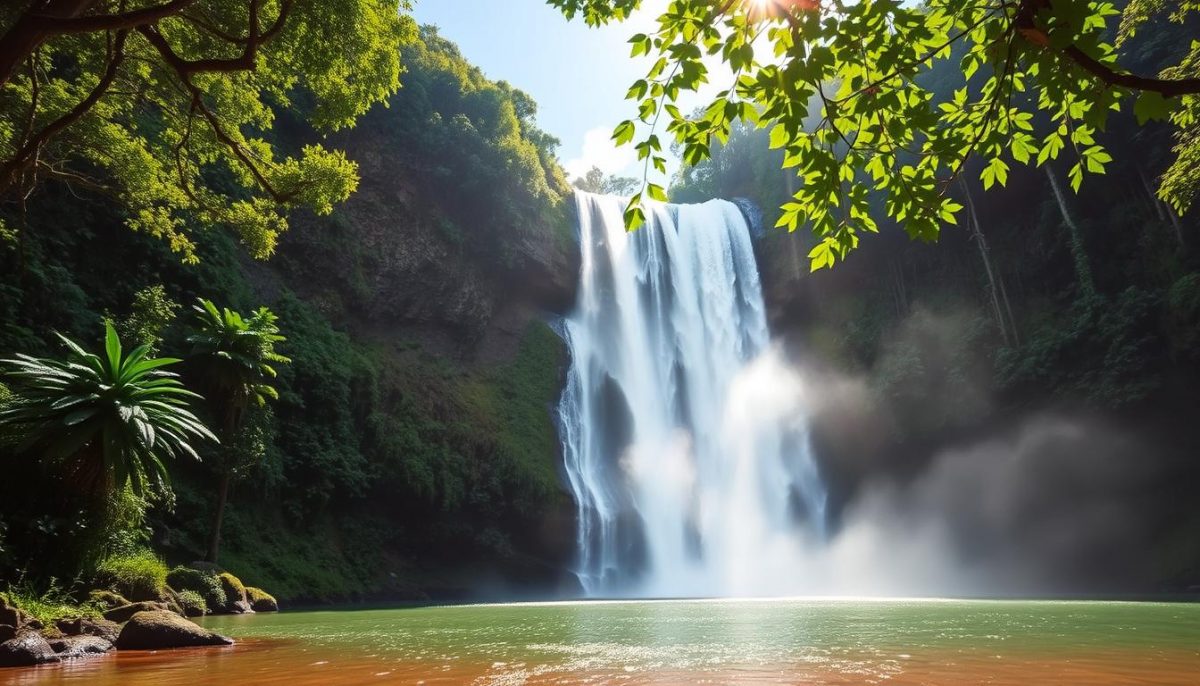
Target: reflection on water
(669, 642)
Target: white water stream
(685, 443)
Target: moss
(107, 599)
(193, 603)
(203, 583)
(233, 587)
(140, 575)
(260, 600)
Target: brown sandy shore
(291, 663)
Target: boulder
(123, 613)
(7, 631)
(83, 626)
(260, 600)
(235, 594)
(158, 629)
(26, 649)
(71, 647)
(10, 614)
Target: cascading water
(684, 446)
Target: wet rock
(123, 613)
(158, 629)
(25, 649)
(72, 647)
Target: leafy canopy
(168, 106)
(237, 355)
(842, 87)
(111, 418)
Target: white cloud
(599, 150)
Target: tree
(844, 89)
(234, 358)
(168, 105)
(109, 419)
(595, 181)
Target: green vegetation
(109, 419)
(169, 109)
(233, 358)
(203, 583)
(138, 575)
(48, 605)
(390, 456)
(193, 604)
(849, 94)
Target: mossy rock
(123, 613)
(206, 584)
(260, 600)
(193, 604)
(107, 600)
(155, 630)
(235, 593)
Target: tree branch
(1166, 87)
(11, 167)
(107, 22)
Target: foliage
(106, 600)
(193, 604)
(152, 312)
(237, 355)
(150, 103)
(204, 584)
(139, 575)
(48, 604)
(844, 90)
(110, 418)
(596, 181)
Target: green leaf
(1151, 106)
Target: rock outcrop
(160, 629)
(26, 649)
(72, 647)
(260, 600)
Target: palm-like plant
(110, 418)
(234, 358)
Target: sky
(578, 75)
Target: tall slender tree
(234, 358)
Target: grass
(48, 605)
(140, 575)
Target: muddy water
(681, 642)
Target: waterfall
(684, 439)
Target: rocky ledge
(26, 642)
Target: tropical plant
(168, 106)
(845, 89)
(234, 358)
(110, 419)
(203, 583)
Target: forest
(390, 434)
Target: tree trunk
(981, 242)
(214, 539)
(1083, 270)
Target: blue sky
(578, 75)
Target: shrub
(260, 600)
(140, 575)
(203, 583)
(193, 603)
